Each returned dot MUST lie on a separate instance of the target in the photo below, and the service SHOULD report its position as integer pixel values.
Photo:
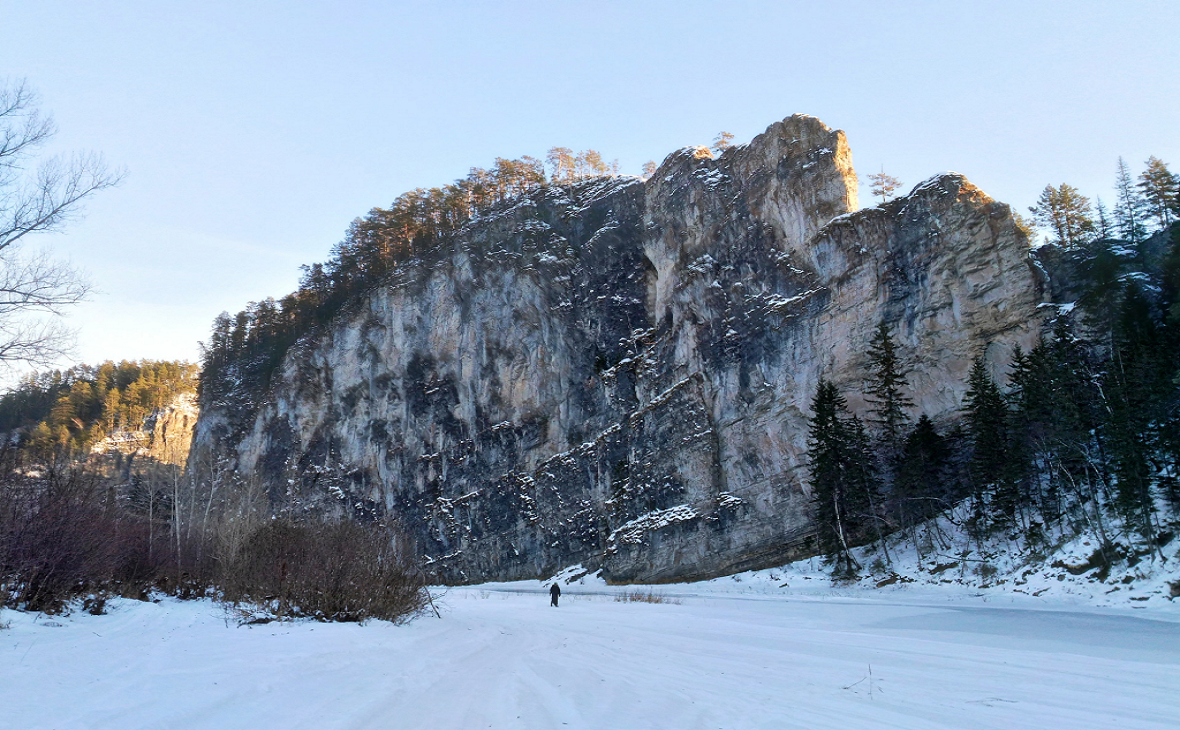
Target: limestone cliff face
(619, 373)
(165, 436)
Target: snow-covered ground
(1001, 572)
(957, 635)
(733, 653)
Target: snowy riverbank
(731, 654)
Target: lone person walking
(554, 594)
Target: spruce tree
(1103, 225)
(838, 472)
(1129, 206)
(919, 489)
(987, 417)
(885, 390)
(1138, 386)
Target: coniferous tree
(561, 165)
(1137, 385)
(1025, 380)
(1025, 226)
(1103, 225)
(1160, 191)
(883, 186)
(1065, 212)
(885, 390)
(1102, 285)
(919, 489)
(589, 163)
(987, 420)
(1129, 206)
(840, 476)
(722, 142)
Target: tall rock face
(619, 373)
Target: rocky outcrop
(618, 373)
(164, 436)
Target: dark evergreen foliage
(922, 487)
(842, 476)
(885, 391)
(987, 421)
(1084, 434)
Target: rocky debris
(618, 373)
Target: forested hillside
(68, 411)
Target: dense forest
(1079, 435)
(64, 411)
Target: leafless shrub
(64, 537)
(648, 596)
(330, 571)
(68, 534)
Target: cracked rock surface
(618, 373)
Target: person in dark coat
(554, 594)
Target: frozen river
(500, 657)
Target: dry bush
(68, 536)
(330, 571)
(648, 596)
(64, 537)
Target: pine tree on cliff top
(1065, 212)
(1129, 210)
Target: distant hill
(125, 407)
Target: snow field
(500, 657)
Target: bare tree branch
(38, 201)
(40, 343)
(22, 128)
(38, 283)
(53, 198)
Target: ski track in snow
(502, 658)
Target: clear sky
(253, 132)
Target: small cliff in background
(618, 372)
(164, 436)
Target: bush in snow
(331, 571)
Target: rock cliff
(165, 436)
(618, 373)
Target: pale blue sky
(253, 132)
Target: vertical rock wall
(618, 373)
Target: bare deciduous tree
(35, 289)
